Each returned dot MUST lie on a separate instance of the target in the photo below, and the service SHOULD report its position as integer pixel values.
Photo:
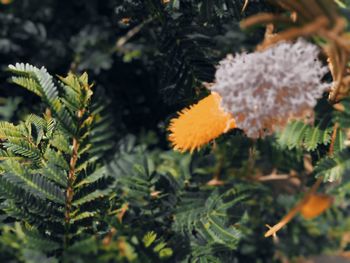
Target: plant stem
(70, 183)
(333, 138)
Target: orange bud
(315, 205)
(199, 124)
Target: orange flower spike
(315, 205)
(199, 124)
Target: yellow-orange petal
(315, 205)
(199, 124)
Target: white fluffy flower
(263, 90)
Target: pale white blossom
(263, 90)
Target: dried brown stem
(264, 18)
(334, 136)
(274, 177)
(295, 32)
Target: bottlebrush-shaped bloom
(199, 124)
(263, 90)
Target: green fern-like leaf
(17, 195)
(8, 131)
(34, 183)
(293, 135)
(47, 91)
(149, 238)
(52, 166)
(339, 142)
(334, 168)
(92, 196)
(207, 217)
(23, 148)
(298, 134)
(343, 117)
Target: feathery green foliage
(303, 135)
(49, 160)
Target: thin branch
(295, 32)
(274, 177)
(131, 33)
(333, 138)
(245, 5)
(264, 18)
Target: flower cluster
(263, 90)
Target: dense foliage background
(149, 59)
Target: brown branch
(131, 33)
(245, 5)
(339, 40)
(264, 18)
(334, 136)
(295, 32)
(296, 6)
(274, 177)
(71, 179)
